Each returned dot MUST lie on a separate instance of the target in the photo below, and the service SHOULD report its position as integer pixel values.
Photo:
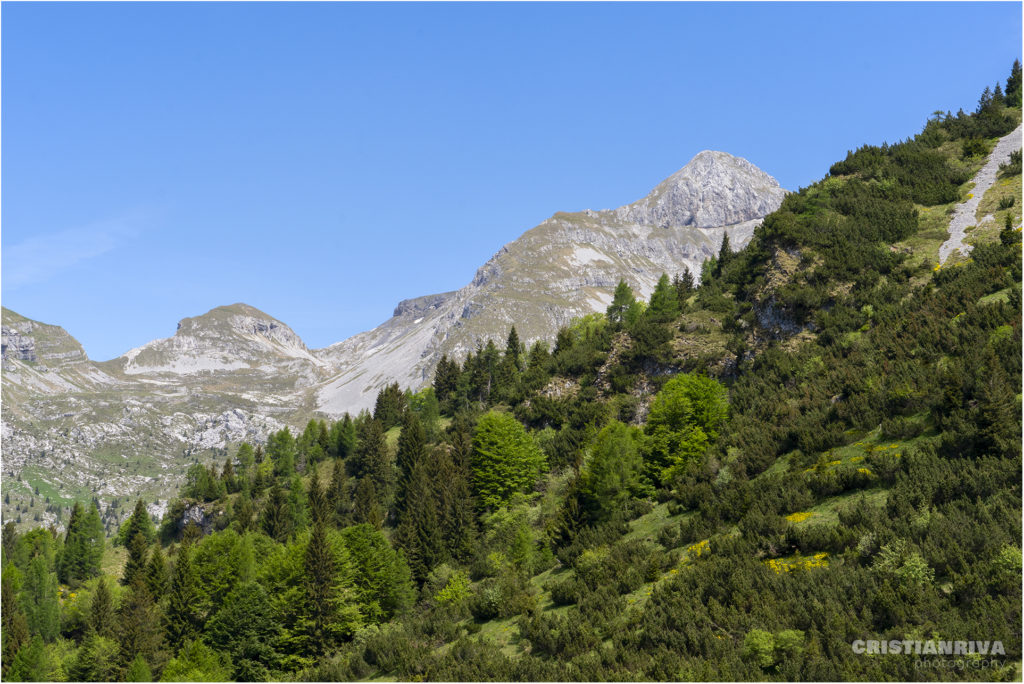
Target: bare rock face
(713, 189)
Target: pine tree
(184, 621)
(366, 508)
(101, 610)
(136, 565)
(156, 573)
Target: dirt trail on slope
(963, 215)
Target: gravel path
(964, 214)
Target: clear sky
(323, 161)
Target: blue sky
(323, 161)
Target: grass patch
(827, 512)
(649, 525)
(1000, 296)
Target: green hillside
(818, 445)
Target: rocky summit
(75, 428)
(564, 268)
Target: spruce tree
(138, 522)
(390, 406)
(277, 520)
(10, 538)
(101, 611)
(419, 531)
(664, 301)
(366, 508)
(97, 660)
(246, 461)
(83, 546)
(156, 573)
(316, 624)
(724, 252)
(513, 348)
(456, 504)
(1013, 86)
(411, 449)
(446, 379)
(244, 511)
(372, 458)
(135, 567)
(227, 476)
(139, 626)
(342, 438)
(337, 496)
(319, 509)
(184, 622)
(13, 624)
(684, 286)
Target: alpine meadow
(727, 432)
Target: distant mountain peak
(225, 338)
(713, 189)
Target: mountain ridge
(235, 372)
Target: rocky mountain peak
(226, 338)
(35, 342)
(239, 319)
(713, 189)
